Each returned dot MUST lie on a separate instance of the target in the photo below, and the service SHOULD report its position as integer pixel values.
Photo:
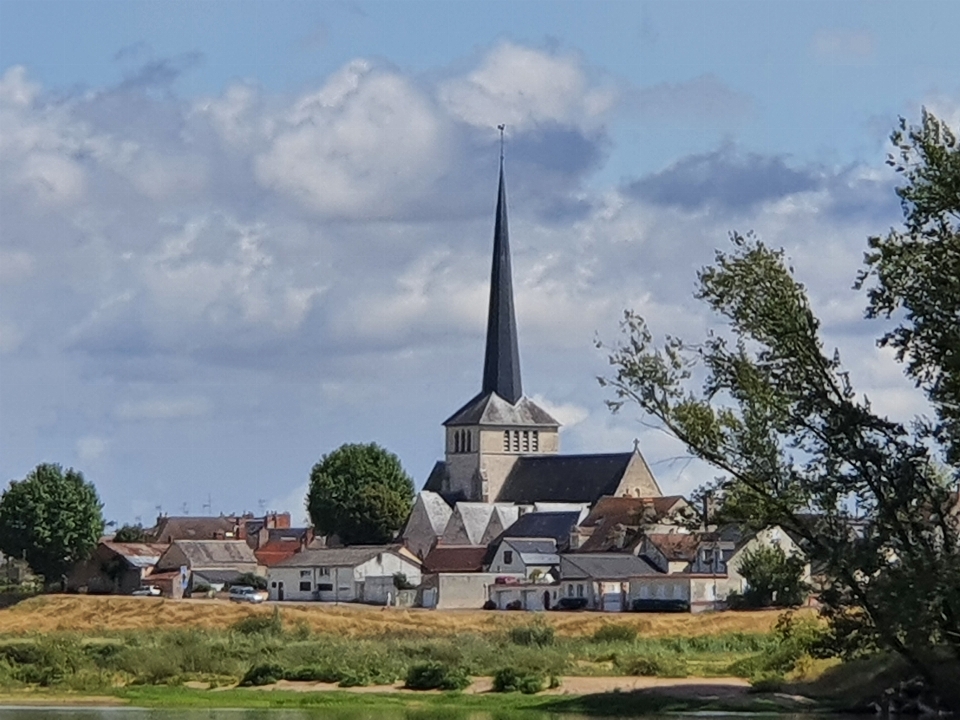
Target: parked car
(245, 593)
(147, 590)
(571, 603)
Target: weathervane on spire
(500, 127)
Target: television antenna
(208, 505)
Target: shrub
(400, 582)
(537, 633)
(489, 605)
(436, 676)
(259, 624)
(313, 673)
(252, 579)
(615, 633)
(262, 674)
(652, 666)
(510, 679)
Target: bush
(262, 674)
(510, 679)
(615, 633)
(252, 579)
(652, 666)
(489, 605)
(259, 624)
(537, 633)
(313, 673)
(436, 676)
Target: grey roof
(435, 480)
(171, 527)
(473, 517)
(213, 553)
(216, 577)
(489, 408)
(564, 478)
(605, 566)
(501, 364)
(543, 547)
(436, 508)
(339, 557)
(548, 525)
(138, 555)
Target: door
(546, 599)
(280, 590)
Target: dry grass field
(91, 614)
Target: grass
(92, 614)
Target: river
(126, 713)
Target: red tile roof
(455, 558)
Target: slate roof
(473, 517)
(437, 509)
(341, 557)
(547, 525)
(489, 408)
(616, 522)
(605, 566)
(532, 547)
(564, 478)
(455, 558)
(214, 553)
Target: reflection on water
(124, 713)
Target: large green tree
(52, 518)
(361, 493)
(762, 401)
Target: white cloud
(842, 45)
(567, 414)
(523, 88)
(164, 409)
(91, 448)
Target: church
(503, 448)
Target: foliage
(263, 624)
(130, 534)
(360, 493)
(436, 676)
(52, 518)
(537, 633)
(265, 673)
(509, 679)
(258, 582)
(652, 665)
(400, 582)
(773, 578)
(799, 448)
(918, 270)
(614, 632)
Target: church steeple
(501, 365)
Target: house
(524, 595)
(526, 557)
(722, 551)
(455, 559)
(171, 527)
(277, 544)
(601, 580)
(555, 526)
(426, 523)
(689, 592)
(360, 573)
(619, 523)
(214, 563)
(670, 552)
(115, 568)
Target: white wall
(340, 584)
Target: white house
(361, 573)
(601, 580)
(526, 557)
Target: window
(506, 441)
(273, 584)
(569, 590)
(508, 557)
(469, 440)
(456, 441)
(324, 587)
(323, 572)
(526, 441)
(580, 590)
(305, 574)
(535, 441)
(306, 586)
(516, 441)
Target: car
(245, 593)
(147, 591)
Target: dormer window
(535, 441)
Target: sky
(235, 235)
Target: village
(504, 522)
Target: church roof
(552, 525)
(564, 478)
(501, 364)
(489, 408)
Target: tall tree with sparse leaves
(361, 493)
(52, 518)
(800, 448)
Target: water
(126, 713)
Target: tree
(773, 578)
(51, 518)
(799, 448)
(361, 493)
(130, 534)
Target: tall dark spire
(501, 366)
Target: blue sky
(235, 235)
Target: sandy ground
(701, 688)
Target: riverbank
(675, 697)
